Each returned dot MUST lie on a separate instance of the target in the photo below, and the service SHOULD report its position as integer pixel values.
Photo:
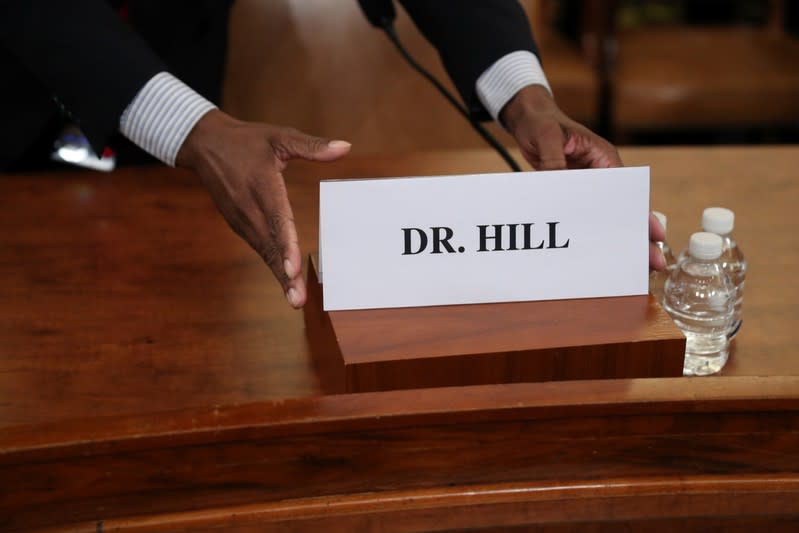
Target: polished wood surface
(320, 67)
(432, 459)
(153, 379)
(456, 345)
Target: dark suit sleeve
(470, 36)
(83, 54)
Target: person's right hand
(241, 165)
(550, 140)
(656, 234)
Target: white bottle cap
(661, 218)
(705, 245)
(718, 220)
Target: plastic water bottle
(699, 297)
(721, 221)
(657, 279)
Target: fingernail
(662, 262)
(292, 297)
(338, 144)
(287, 268)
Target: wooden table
(153, 379)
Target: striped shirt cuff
(507, 76)
(161, 116)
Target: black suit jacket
(80, 61)
(470, 35)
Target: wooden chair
(685, 77)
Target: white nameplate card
(444, 240)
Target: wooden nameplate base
(420, 347)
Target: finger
(272, 200)
(656, 234)
(585, 149)
(279, 244)
(297, 294)
(656, 259)
(292, 266)
(548, 143)
(292, 257)
(656, 231)
(281, 253)
(294, 144)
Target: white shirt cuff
(507, 76)
(161, 116)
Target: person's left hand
(550, 140)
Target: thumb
(294, 144)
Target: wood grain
(151, 376)
(630, 440)
(446, 346)
(502, 508)
(320, 67)
(127, 293)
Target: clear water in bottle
(698, 295)
(733, 262)
(721, 221)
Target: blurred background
(637, 71)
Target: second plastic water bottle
(699, 296)
(721, 221)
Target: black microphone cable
(388, 27)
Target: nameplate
(483, 238)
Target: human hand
(241, 164)
(550, 140)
